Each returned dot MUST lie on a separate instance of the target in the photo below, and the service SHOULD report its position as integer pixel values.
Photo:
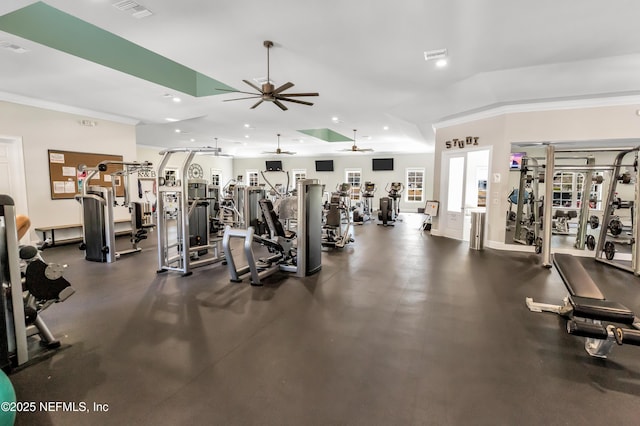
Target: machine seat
(576, 278)
(44, 288)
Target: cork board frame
(65, 181)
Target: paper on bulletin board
(56, 158)
(96, 176)
(58, 187)
(70, 187)
(68, 171)
(107, 178)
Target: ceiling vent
(12, 47)
(136, 9)
(432, 55)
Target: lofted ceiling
(366, 60)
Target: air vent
(435, 54)
(137, 10)
(12, 47)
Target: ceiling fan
(354, 148)
(279, 151)
(268, 92)
(218, 151)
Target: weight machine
(183, 230)
(585, 220)
(97, 203)
(336, 231)
(390, 205)
(29, 287)
(298, 252)
(611, 233)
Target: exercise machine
(231, 204)
(336, 231)
(30, 285)
(297, 252)
(390, 205)
(184, 240)
(97, 204)
(366, 215)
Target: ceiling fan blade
(253, 85)
(240, 99)
(238, 91)
(288, 152)
(285, 86)
(257, 103)
(282, 107)
(365, 149)
(293, 100)
(298, 94)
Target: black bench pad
(576, 278)
(603, 310)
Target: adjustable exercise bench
(586, 308)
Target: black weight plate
(609, 250)
(591, 242)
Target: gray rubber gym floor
(399, 328)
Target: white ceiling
(366, 59)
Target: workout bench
(586, 308)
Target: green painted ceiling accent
(51, 27)
(326, 135)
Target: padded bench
(587, 307)
(45, 230)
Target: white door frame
(445, 229)
(18, 176)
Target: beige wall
(356, 161)
(575, 124)
(42, 129)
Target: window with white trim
(414, 185)
(354, 178)
(298, 174)
(252, 177)
(216, 175)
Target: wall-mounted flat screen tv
(515, 162)
(274, 166)
(379, 164)
(324, 165)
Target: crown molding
(54, 106)
(496, 110)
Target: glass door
(453, 189)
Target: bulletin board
(65, 181)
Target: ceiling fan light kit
(268, 92)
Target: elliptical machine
(367, 195)
(390, 205)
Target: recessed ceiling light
(192, 140)
(441, 63)
(246, 136)
(638, 112)
(247, 125)
(171, 120)
(178, 130)
(244, 143)
(385, 128)
(176, 99)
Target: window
(215, 177)
(354, 177)
(415, 185)
(252, 177)
(298, 174)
